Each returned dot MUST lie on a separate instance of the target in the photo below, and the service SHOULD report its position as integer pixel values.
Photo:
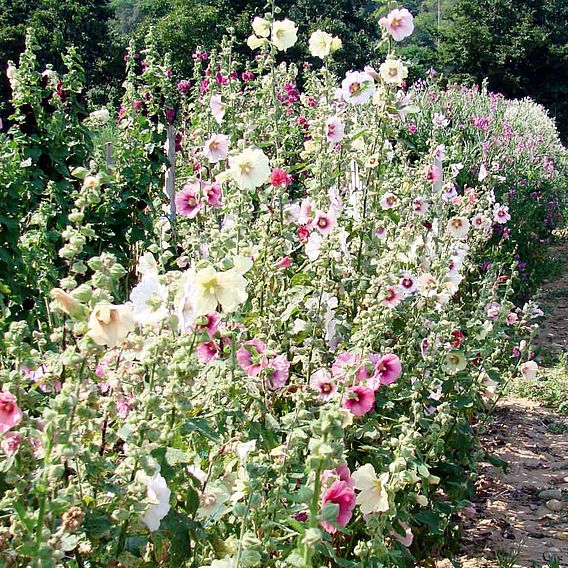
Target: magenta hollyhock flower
(207, 351)
(359, 400)
(344, 473)
(10, 413)
(251, 358)
(388, 369)
(184, 87)
(213, 194)
(170, 115)
(10, 443)
(279, 178)
(284, 262)
(501, 213)
(281, 370)
(187, 200)
(399, 24)
(344, 359)
(321, 381)
(342, 495)
(209, 323)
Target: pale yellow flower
(69, 305)
(373, 497)
(320, 44)
(284, 34)
(250, 168)
(108, 324)
(261, 27)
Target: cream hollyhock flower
(320, 44)
(158, 495)
(284, 34)
(108, 324)
(250, 168)
(149, 299)
(336, 44)
(255, 42)
(373, 497)
(393, 72)
(261, 27)
(204, 290)
(146, 264)
(69, 305)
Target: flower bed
(294, 371)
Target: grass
(550, 388)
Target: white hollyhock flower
(146, 264)
(261, 27)
(216, 148)
(284, 34)
(320, 44)
(393, 72)
(101, 116)
(148, 299)
(357, 87)
(217, 107)
(158, 495)
(313, 246)
(529, 370)
(250, 168)
(373, 497)
(458, 227)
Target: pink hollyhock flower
(367, 369)
(250, 357)
(324, 222)
(408, 537)
(209, 323)
(213, 194)
(10, 413)
(38, 377)
(304, 233)
(217, 107)
(284, 262)
(357, 87)
(344, 473)
(388, 369)
(281, 369)
(399, 24)
(433, 174)
(123, 405)
(207, 352)
(279, 178)
(335, 130)
(501, 213)
(321, 381)
(10, 443)
(187, 201)
(512, 318)
(343, 495)
(216, 148)
(420, 205)
(359, 400)
(306, 212)
(344, 359)
(103, 367)
(393, 297)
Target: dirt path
(522, 516)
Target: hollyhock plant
(213, 195)
(359, 400)
(10, 413)
(398, 23)
(252, 359)
(342, 494)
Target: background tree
(521, 46)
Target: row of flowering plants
(298, 373)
